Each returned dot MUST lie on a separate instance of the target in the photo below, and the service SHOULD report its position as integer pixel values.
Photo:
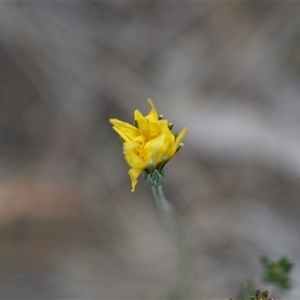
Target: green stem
(177, 236)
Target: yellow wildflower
(149, 144)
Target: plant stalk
(175, 231)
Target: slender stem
(164, 206)
(177, 236)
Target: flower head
(148, 144)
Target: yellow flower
(149, 144)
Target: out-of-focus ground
(69, 225)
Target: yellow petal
(157, 150)
(125, 130)
(142, 124)
(153, 115)
(131, 145)
(140, 139)
(134, 174)
(179, 139)
(155, 129)
(133, 158)
(181, 135)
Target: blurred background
(69, 225)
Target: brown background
(69, 225)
